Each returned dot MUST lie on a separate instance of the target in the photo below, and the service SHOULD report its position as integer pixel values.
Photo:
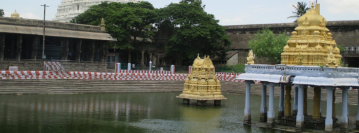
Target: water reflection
(125, 112)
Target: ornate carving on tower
(202, 82)
(311, 42)
(250, 58)
(68, 9)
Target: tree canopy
(266, 44)
(300, 10)
(131, 23)
(192, 31)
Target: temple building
(78, 47)
(310, 60)
(68, 9)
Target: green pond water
(124, 112)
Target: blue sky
(229, 12)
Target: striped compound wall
(123, 75)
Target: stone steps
(59, 86)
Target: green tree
(2, 13)
(300, 10)
(192, 31)
(130, 23)
(266, 44)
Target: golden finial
(312, 5)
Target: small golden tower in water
(311, 43)
(202, 83)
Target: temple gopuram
(310, 60)
(202, 83)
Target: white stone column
(281, 102)
(344, 118)
(329, 118)
(300, 109)
(247, 109)
(295, 102)
(263, 117)
(271, 114)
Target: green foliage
(341, 48)
(300, 10)
(239, 68)
(192, 31)
(130, 23)
(2, 13)
(268, 45)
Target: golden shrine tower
(202, 83)
(311, 43)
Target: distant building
(68, 9)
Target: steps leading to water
(61, 86)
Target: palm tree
(300, 10)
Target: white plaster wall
(69, 9)
(233, 60)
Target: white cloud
(233, 20)
(29, 16)
(343, 6)
(7, 14)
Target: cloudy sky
(229, 12)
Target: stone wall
(49, 24)
(68, 66)
(346, 33)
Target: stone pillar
(2, 46)
(300, 111)
(357, 121)
(104, 52)
(65, 48)
(93, 50)
(333, 104)
(78, 51)
(320, 102)
(344, 118)
(329, 118)
(12, 48)
(150, 52)
(287, 110)
(271, 114)
(18, 47)
(35, 43)
(143, 59)
(154, 59)
(247, 108)
(129, 56)
(305, 100)
(316, 106)
(263, 117)
(281, 102)
(295, 102)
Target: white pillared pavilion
(68, 9)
